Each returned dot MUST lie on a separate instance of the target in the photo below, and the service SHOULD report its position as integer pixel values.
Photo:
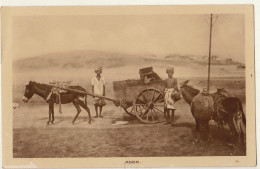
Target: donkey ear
(184, 83)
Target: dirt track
(117, 134)
(36, 115)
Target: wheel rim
(149, 106)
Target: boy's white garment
(98, 85)
(169, 102)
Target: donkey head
(187, 91)
(184, 83)
(29, 91)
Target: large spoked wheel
(149, 106)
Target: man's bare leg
(100, 108)
(168, 116)
(172, 117)
(96, 109)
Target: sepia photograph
(130, 82)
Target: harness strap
(218, 111)
(55, 92)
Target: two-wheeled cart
(142, 98)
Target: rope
(59, 87)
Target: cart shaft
(85, 93)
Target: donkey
(230, 110)
(44, 90)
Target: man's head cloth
(169, 68)
(98, 69)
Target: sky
(159, 35)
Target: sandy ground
(36, 115)
(115, 135)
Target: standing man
(171, 89)
(98, 88)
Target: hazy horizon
(159, 35)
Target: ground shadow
(185, 124)
(60, 119)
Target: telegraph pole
(209, 51)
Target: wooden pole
(209, 51)
(85, 93)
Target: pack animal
(229, 110)
(44, 90)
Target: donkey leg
(49, 119)
(197, 130)
(233, 143)
(239, 127)
(233, 131)
(234, 137)
(51, 107)
(206, 124)
(81, 103)
(52, 114)
(78, 111)
(231, 127)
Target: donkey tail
(243, 113)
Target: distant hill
(90, 59)
(215, 60)
(79, 59)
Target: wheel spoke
(145, 102)
(153, 95)
(144, 98)
(156, 114)
(159, 101)
(146, 111)
(132, 109)
(140, 104)
(147, 115)
(157, 97)
(141, 109)
(148, 95)
(152, 114)
(159, 109)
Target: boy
(98, 88)
(170, 88)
